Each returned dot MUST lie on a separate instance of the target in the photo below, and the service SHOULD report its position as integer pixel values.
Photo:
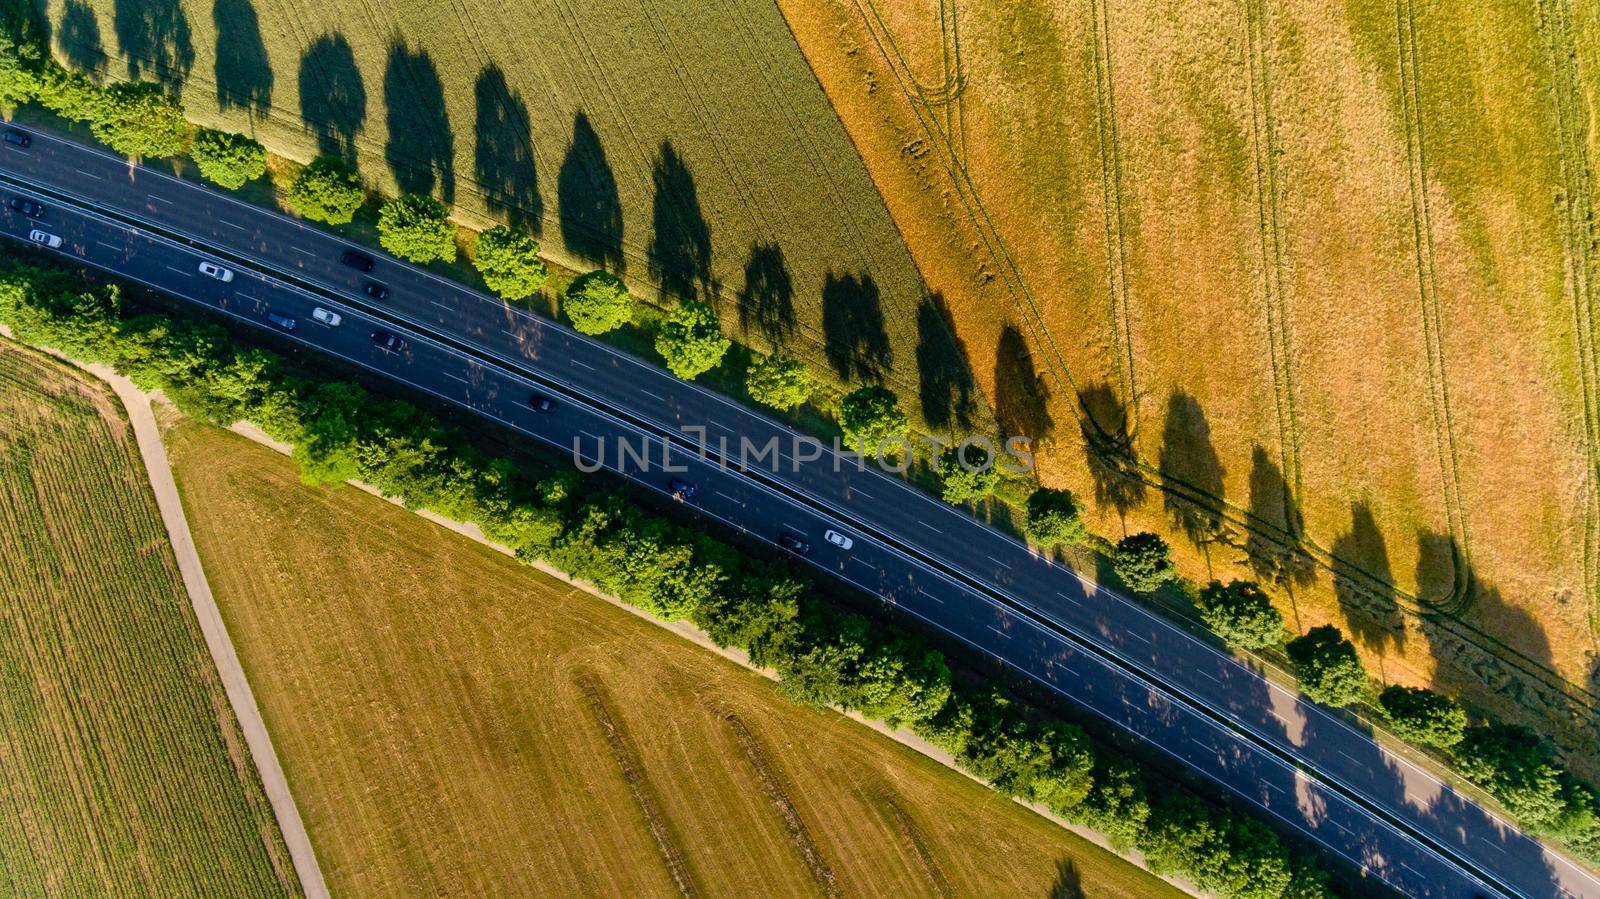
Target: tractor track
(1111, 204)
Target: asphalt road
(1301, 765)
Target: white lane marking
(233, 224)
(184, 272)
(454, 377)
(653, 395)
(1207, 675)
(731, 499)
(449, 308)
(160, 199)
(1137, 636)
(1000, 632)
(1000, 563)
(303, 251)
(859, 492)
(1495, 846)
(91, 175)
(110, 246)
(581, 364)
(1353, 759)
(1203, 745)
(1069, 598)
(930, 596)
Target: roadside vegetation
(125, 772)
(823, 655)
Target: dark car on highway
(542, 403)
(375, 290)
(680, 489)
(388, 341)
(793, 543)
(357, 260)
(20, 138)
(28, 207)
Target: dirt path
(240, 697)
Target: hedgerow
(823, 655)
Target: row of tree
(822, 654)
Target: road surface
(1309, 769)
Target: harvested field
(458, 725)
(684, 144)
(124, 771)
(1324, 274)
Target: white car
(42, 237)
(213, 270)
(327, 317)
(838, 539)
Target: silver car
(43, 237)
(327, 317)
(213, 270)
(838, 539)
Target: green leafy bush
(1143, 561)
(326, 191)
(229, 159)
(967, 474)
(779, 381)
(1240, 614)
(597, 303)
(1329, 669)
(139, 120)
(1423, 716)
(1054, 517)
(417, 228)
(870, 417)
(508, 259)
(691, 340)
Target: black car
(20, 138)
(542, 403)
(375, 290)
(388, 341)
(28, 207)
(357, 260)
(680, 489)
(793, 543)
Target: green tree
(416, 227)
(21, 58)
(1423, 716)
(1519, 768)
(1240, 614)
(869, 416)
(779, 381)
(1329, 669)
(598, 302)
(691, 340)
(1143, 562)
(229, 159)
(139, 120)
(1053, 517)
(508, 259)
(967, 474)
(326, 191)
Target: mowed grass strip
(122, 772)
(433, 704)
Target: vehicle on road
(681, 490)
(388, 341)
(838, 539)
(327, 317)
(30, 208)
(357, 260)
(542, 403)
(212, 270)
(44, 237)
(20, 138)
(793, 543)
(375, 290)
(282, 321)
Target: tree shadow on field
(154, 38)
(333, 100)
(79, 37)
(1068, 883)
(1021, 396)
(680, 239)
(503, 160)
(1272, 542)
(1107, 434)
(586, 192)
(944, 373)
(1189, 458)
(1364, 582)
(853, 333)
(767, 300)
(243, 69)
(421, 150)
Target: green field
(1328, 269)
(684, 144)
(124, 773)
(456, 724)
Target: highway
(1309, 769)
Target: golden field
(455, 724)
(1321, 275)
